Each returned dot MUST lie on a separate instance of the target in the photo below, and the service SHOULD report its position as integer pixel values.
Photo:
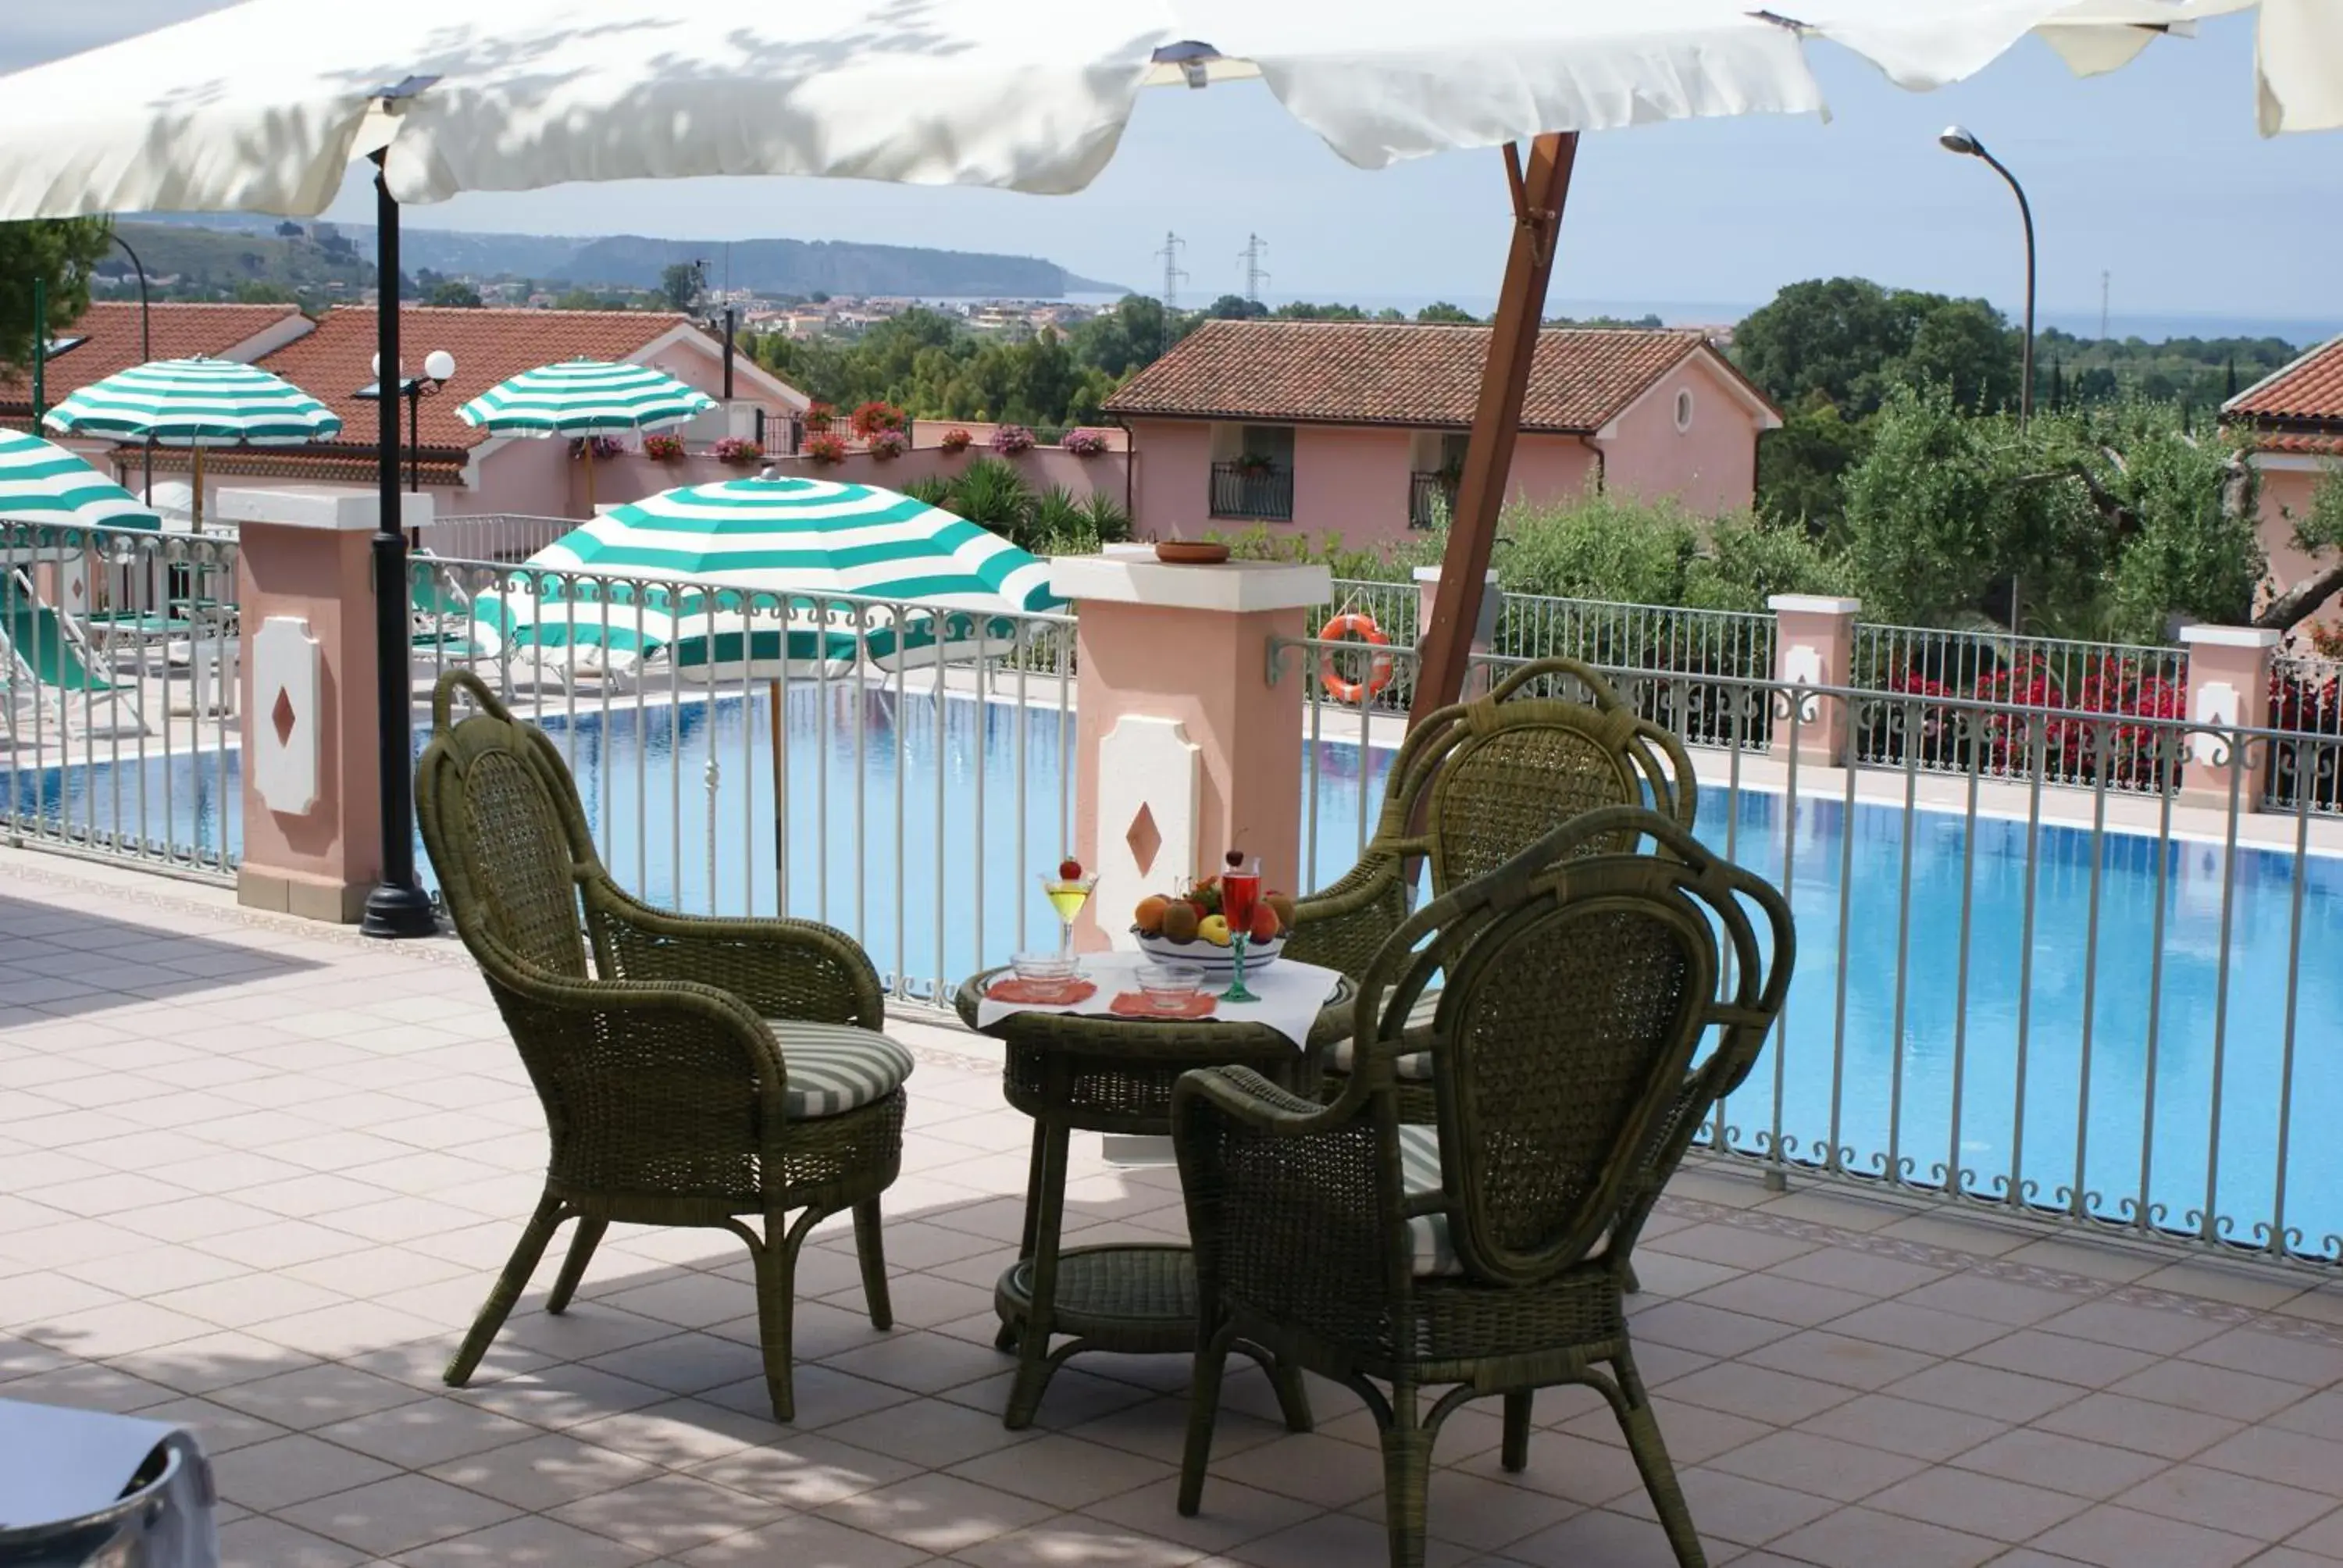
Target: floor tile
(668, 1514)
(1978, 1503)
(2112, 1537)
(1063, 1471)
(806, 1470)
(1904, 1426)
(2221, 1499)
(937, 1513)
(544, 1472)
(2158, 1428)
(2095, 1471)
(525, 1544)
(413, 1436)
(386, 1517)
(284, 1471)
(1810, 1461)
(1864, 1538)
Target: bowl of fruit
(1191, 928)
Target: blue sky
(2154, 174)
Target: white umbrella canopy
(2298, 55)
(255, 107)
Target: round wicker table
(1078, 1074)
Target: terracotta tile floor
(256, 1177)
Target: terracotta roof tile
(180, 331)
(2298, 443)
(489, 346)
(2311, 388)
(1374, 373)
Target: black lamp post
(1955, 139)
(397, 907)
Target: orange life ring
(1379, 670)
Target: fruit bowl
(1217, 962)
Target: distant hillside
(212, 263)
(772, 266)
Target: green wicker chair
(1473, 786)
(1489, 1252)
(694, 1072)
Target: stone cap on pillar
(2231, 636)
(1233, 587)
(329, 508)
(1813, 603)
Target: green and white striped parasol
(44, 483)
(775, 549)
(197, 403)
(585, 397)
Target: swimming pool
(2037, 1065)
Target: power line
(1255, 275)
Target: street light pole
(397, 907)
(1955, 139)
(145, 347)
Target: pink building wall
(1711, 467)
(1353, 479)
(631, 475)
(2286, 495)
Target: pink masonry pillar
(2228, 690)
(1485, 630)
(1813, 645)
(1188, 744)
(312, 800)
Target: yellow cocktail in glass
(1066, 895)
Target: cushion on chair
(835, 1068)
(1419, 1172)
(1416, 1065)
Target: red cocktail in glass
(1240, 892)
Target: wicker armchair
(1473, 786)
(1488, 1253)
(693, 1070)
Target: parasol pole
(1538, 194)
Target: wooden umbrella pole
(195, 513)
(1539, 194)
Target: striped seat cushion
(1434, 1253)
(835, 1068)
(1416, 1065)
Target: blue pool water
(682, 801)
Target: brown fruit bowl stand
(1190, 552)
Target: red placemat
(1033, 993)
(1134, 1005)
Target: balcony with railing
(1431, 498)
(1253, 492)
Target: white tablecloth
(1291, 995)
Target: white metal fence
(2071, 1003)
(2306, 700)
(832, 758)
(118, 651)
(493, 536)
(2033, 674)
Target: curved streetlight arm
(145, 346)
(2026, 213)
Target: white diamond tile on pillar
(1150, 795)
(288, 683)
